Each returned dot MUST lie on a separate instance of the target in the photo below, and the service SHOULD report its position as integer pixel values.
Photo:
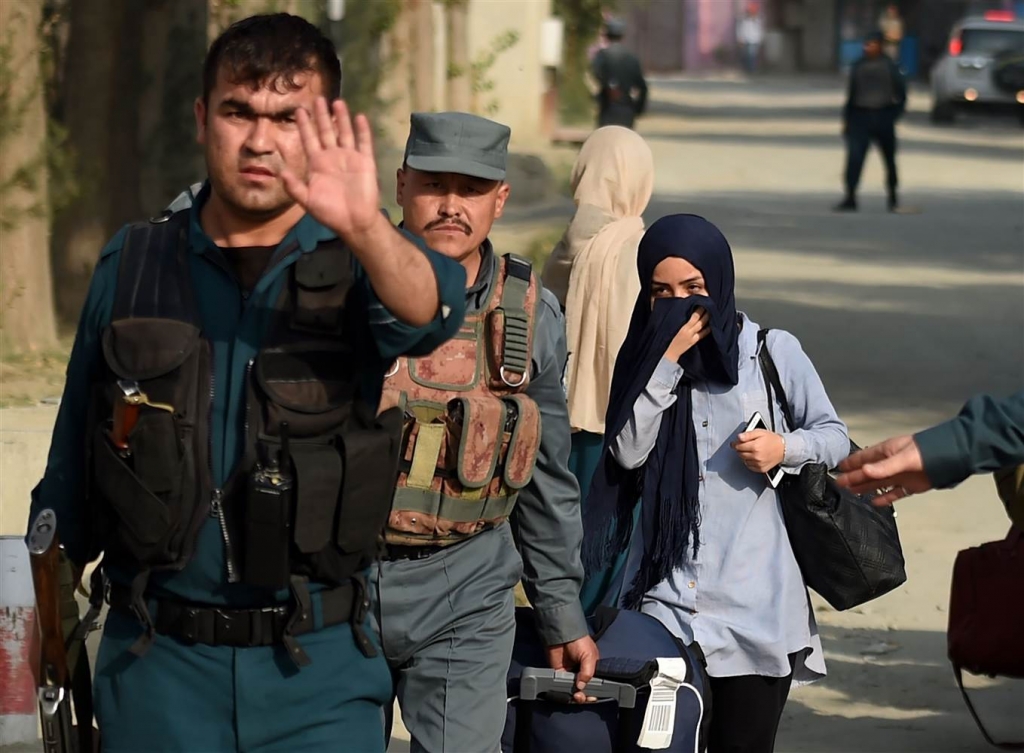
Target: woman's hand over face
(691, 333)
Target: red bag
(986, 616)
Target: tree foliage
(583, 20)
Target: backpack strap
(772, 380)
(516, 338)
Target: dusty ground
(904, 316)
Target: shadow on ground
(884, 693)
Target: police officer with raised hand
(484, 495)
(219, 438)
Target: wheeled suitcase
(652, 690)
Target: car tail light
(956, 45)
(999, 15)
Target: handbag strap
(977, 719)
(772, 380)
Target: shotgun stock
(54, 680)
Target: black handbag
(848, 550)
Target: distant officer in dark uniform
(622, 93)
(877, 98)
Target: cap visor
(453, 164)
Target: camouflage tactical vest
(471, 434)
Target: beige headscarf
(593, 268)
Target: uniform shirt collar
(307, 232)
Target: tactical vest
(471, 435)
(310, 495)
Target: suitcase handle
(534, 682)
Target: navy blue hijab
(667, 483)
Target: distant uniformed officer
(219, 437)
(876, 99)
(485, 496)
(622, 90)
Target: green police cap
(457, 142)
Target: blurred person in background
(750, 35)
(890, 23)
(592, 271)
(622, 89)
(876, 99)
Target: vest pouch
(143, 485)
(319, 473)
(524, 443)
(461, 369)
(311, 388)
(370, 447)
(475, 439)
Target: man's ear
(499, 206)
(200, 112)
(399, 185)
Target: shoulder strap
(518, 321)
(772, 379)
(153, 276)
(977, 720)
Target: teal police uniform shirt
(234, 323)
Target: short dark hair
(272, 49)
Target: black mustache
(450, 223)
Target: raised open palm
(340, 189)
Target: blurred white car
(978, 70)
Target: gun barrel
(44, 554)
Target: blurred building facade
(815, 36)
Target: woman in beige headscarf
(593, 272)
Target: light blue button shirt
(742, 598)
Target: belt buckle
(228, 628)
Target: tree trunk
(395, 88)
(422, 57)
(459, 91)
(82, 228)
(26, 295)
(172, 62)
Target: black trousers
(863, 128)
(745, 712)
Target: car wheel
(942, 112)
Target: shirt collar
(307, 232)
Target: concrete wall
(517, 73)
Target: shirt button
(700, 478)
(705, 424)
(691, 584)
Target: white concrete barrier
(19, 644)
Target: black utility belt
(393, 552)
(242, 628)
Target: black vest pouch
(371, 446)
(303, 391)
(146, 478)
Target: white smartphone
(774, 476)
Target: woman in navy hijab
(708, 553)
